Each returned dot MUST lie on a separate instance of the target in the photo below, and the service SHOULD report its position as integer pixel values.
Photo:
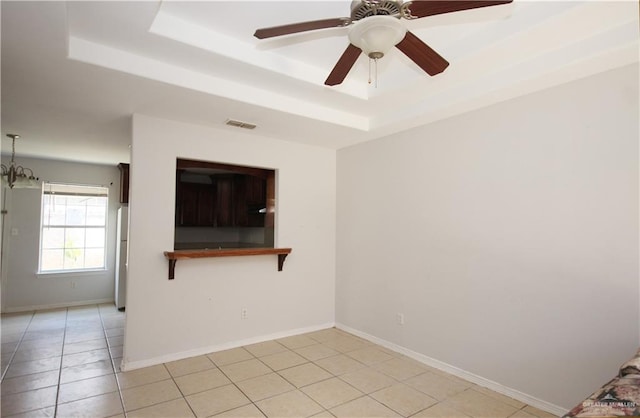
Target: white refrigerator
(121, 257)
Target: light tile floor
(65, 363)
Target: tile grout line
(180, 390)
(363, 394)
(333, 376)
(15, 350)
(64, 336)
(272, 371)
(237, 387)
(295, 388)
(104, 332)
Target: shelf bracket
(281, 258)
(172, 269)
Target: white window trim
(73, 272)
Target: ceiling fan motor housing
(365, 8)
(376, 35)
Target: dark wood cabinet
(124, 182)
(255, 200)
(186, 205)
(249, 201)
(256, 188)
(239, 201)
(195, 205)
(224, 201)
(231, 200)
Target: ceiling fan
(376, 28)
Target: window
(74, 226)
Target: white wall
(508, 237)
(199, 311)
(22, 287)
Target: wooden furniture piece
(124, 182)
(174, 256)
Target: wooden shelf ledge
(176, 255)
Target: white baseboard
(470, 377)
(132, 365)
(56, 305)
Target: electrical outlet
(400, 319)
(244, 313)
(73, 285)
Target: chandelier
(17, 176)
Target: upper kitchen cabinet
(224, 199)
(249, 193)
(218, 195)
(195, 204)
(124, 182)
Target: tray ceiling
(74, 72)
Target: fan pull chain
(375, 70)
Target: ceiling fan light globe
(377, 34)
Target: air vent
(240, 124)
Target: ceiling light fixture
(375, 36)
(17, 176)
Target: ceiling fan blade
(422, 8)
(420, 53)
(343, 66)
(301, 27)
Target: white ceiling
(74, 72)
